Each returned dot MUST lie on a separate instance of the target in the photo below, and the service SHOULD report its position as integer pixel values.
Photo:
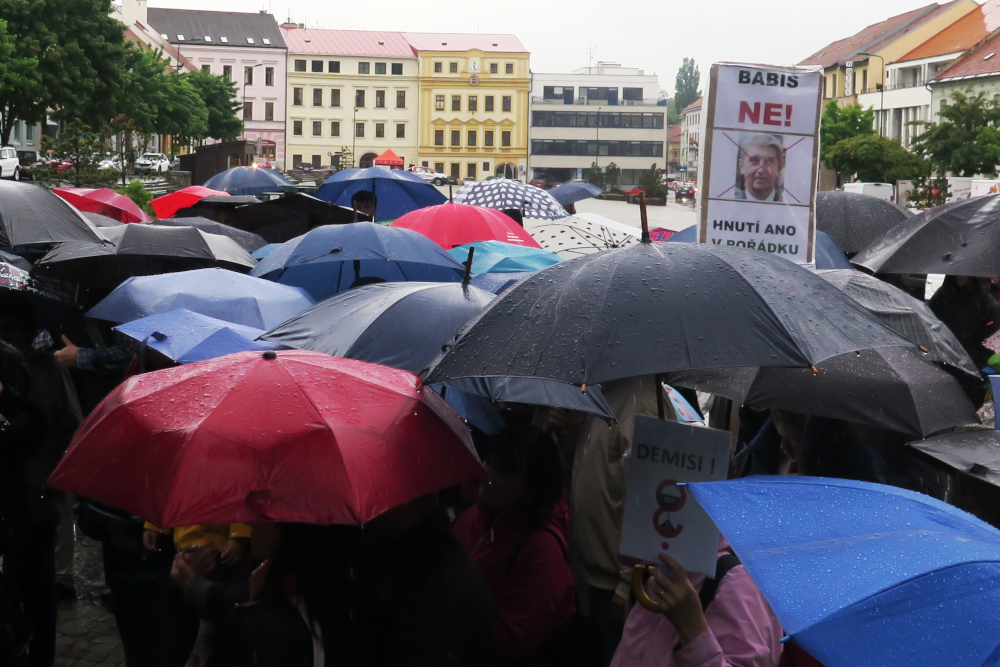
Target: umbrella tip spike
(814, 370)
(270, 355)
(924, 349)
(583, 388)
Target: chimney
(134, 11)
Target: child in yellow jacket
(226, 538)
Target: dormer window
(180, 38)
(208, 38)
(249, 40)
(267, 41)
(224, 40)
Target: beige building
(690, 140)
(351, 96)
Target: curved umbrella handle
(639, 590)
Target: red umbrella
(167, 205)
(451, 225)
(287, 436)
(104, 201)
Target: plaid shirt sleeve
(113, 358)
(43, 342)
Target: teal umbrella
(500, 257)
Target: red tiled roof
(963, 34)
(694, 105)
(674, 134)
(875, 36)
(347, 42)
(982, 61)
(432, 41)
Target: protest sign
(661, 517)
(760, 159)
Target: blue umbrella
(329, 259)
(249, 181)
(864, 575)
(569, 193)
(498, 282)
(218, 293)
(397, 192)
(828, 255)
(187, 337)
(500, 257)
(261, 253)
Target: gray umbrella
(30, 215)
(657, 308)
(102, 220)
(910, 318)
(853, 220)
(247, 240)
(504, 193)
(973, 452)
(892, 388)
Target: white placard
(661, 517)
(761, 158)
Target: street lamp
(881, 89)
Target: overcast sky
(559, 33)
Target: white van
(959, 187)
(881, 190)
(985, 186)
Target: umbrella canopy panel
(505, 193)
(397, 192)
(284, 218)
(855, 221)
(973, 452)
(498, 257)
(30, 215)
(575, 236)
(451, 225)
(246, 240)
(249, 181)
(570, 193)
(104, 201)
(167, 205)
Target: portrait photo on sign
(766, 167)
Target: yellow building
(474, 96)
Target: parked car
(537, 182)
(431, 176)
(28, 161)
(10, 165)
(684, 194)
(113, 162)
(152, 162)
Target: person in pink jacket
(737, 629)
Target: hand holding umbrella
(675, 597)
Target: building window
(456, 170)
(456, 102)
(397, 69)
(268, 76)
(509, 68)
(268, 110)
(207, 69)
(359, 98)
(227, 72)
(317, 67)
(439, 137)
(317, 97)
(470, 170)
(586, 147)
(489, 103)
(317, 161)
(487, 139)
(333, 66)
(335, 97)
(400, 130)
(317, 128)
(439, 167)
(296, 97)
(296, 161)
(380, 68)
(472, 138)
(439, 102)
(364, 68)
(506, 103)
(944, 105)
(594, 119)
(473, 103)
(334, 128)
(297, 128)
(359, 130)
(453, 68)
(380, 130)
(632, 94)
(400, 99)
(379, 99)
(493, 68)
(29, 133)
(486, 167)
(248, 111)
(456, 137)
(505, 138)
(300, 65)
(437, 68)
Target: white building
(596, 115)
(690, 139)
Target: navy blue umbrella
(397, 192)
(828, 255)
(568, 193)
(331, 258)
(249, 181)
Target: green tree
(686, 84)
(612, 176)
(82, 148)
(664, 100)
(138, 193)
(875, 159)
(651, 182)
(219, 95)
(966, 139)
(928, 191)
(76, 52)
(839, 123)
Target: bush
(138, 193)
(651, 183)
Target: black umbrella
(957, 239)
(51, 301)
(246, 240)
(893, 388)
(853, 220)
(283, 219)
(143, 250)
(221, 208)
(102, 220)
(910, 318)
(661, 307)
(974, 452)
(15, 260)
(30, 215)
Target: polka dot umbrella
(504, 193)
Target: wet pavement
(86, 635)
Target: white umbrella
(581, 234)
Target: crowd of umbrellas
(323, 370)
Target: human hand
(181, 573)
(257, 579)
(149, 539)
(678, 599)
(232, 552)
(67, 355)
(202, 559)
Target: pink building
(246, 48)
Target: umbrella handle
(639, 575)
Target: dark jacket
(126, 563)
(973, 315)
